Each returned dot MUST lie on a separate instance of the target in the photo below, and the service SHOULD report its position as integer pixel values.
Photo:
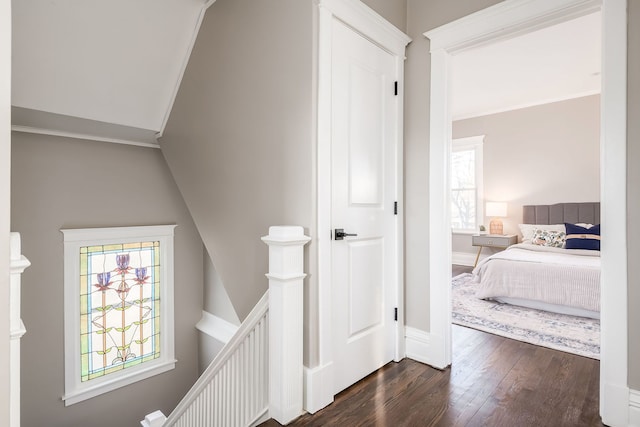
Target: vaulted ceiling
(111, 70)
(117, 62)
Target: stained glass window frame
(126, 272)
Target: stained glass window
(118, 307)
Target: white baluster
(17, 329)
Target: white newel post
(286, 259)
(17, 330)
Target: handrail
(257, 319)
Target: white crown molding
(512, 17)
(488, 112)
(359, 16)
(75, 135)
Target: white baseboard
(417, 344)
(262, 417)
(615, 404)
(216, 327)
(318, 387)
(424, 347)
(465, 258)
(634, 408)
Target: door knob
(340, 234)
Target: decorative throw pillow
(583, 238)
(528, 229)
(551, 238)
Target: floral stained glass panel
(119, 306)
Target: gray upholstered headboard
(561, 213)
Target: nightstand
(492, 241)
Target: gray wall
(421, 16)
(633, 198)
(537, 155)
(394, 11)
(239, 141)
(67, 183)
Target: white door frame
(319, 388)
(5, 203)
(502, 21)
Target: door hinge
(395, 88)
(395, 314)
(395, 208)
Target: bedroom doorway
(516, 105)
(497, 23)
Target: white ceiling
(115, 61)
(552, 64)
(120, 62)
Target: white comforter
(549, 275)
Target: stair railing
(259, 372)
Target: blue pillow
(582, 238)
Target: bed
(543, 277)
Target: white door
(363, 184)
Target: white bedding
(553, 277)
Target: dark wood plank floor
(493, 381)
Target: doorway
(499, 22)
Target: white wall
(538, 155)
(5, 180)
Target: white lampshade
(496, 209)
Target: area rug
(577, 335)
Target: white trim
(423, 347)
(367, 22)
(76, 135)
(216, 327)
(364, 20)
(318, 387)
(465, 258)
(110, 385)
(76, 390)
(439, 207)
(614, 363)
(634, 408)
(154, 419)
(10, 407)
(482, 113)
(263, 416)
(508, 19)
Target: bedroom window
(118, 288)
(466, 184)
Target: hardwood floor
(493, 381)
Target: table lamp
(495, 210)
